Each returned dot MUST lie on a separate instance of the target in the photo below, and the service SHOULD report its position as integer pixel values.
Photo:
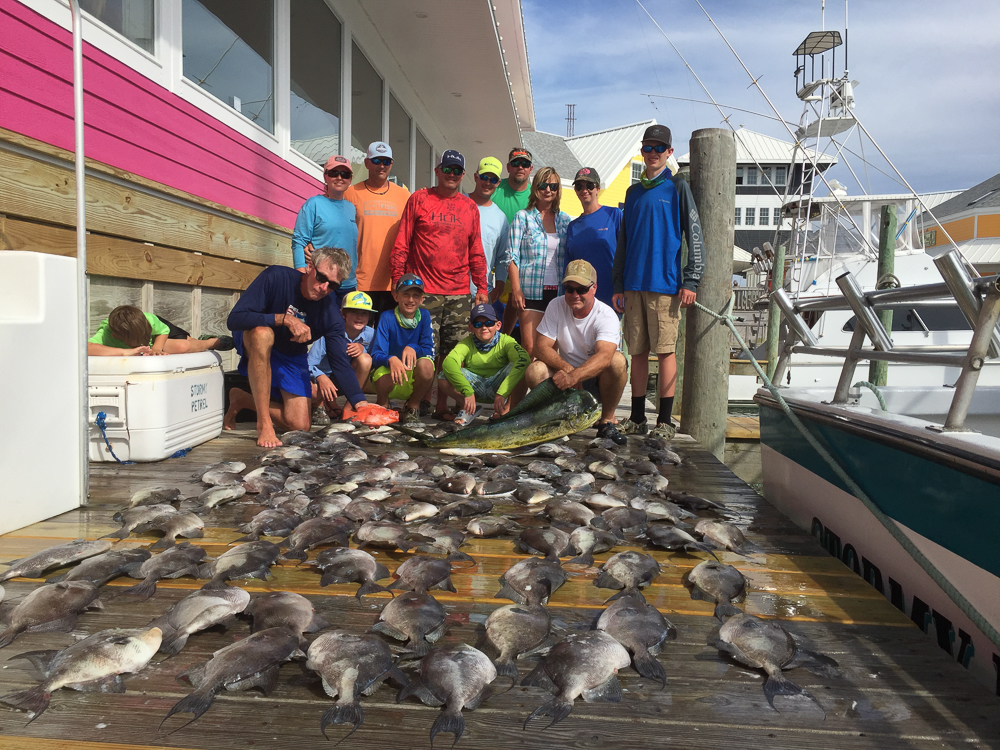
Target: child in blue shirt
(356, 309)
(403, 350)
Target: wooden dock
(896, 689)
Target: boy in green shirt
(130, 332)
(488, 364)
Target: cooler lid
(166, 363)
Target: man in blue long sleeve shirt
(276, 318)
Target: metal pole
(966, 385)
(793, 319)
(706, 359)
(773, 312)
(850, 365)
(82, 305)
(878, 372)
(963, 287)
(864, 314)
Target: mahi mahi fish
(545, 414)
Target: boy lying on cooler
(488, 365)
(403, 350)
(356, 309)
(129, 332)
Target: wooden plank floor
(896, 689)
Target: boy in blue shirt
(403, 350)
(356, 309)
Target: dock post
(878, 372)
(773, 312)
(706, 359)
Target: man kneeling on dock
(273, 323)
(576, 345)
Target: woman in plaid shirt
(537, 247)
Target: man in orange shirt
(379, 204)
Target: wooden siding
(988, 225)
(136, 125)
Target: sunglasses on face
(553, 186)
(340, 174)
(482, 323)
(584, 185)
(520, 164)
(490, 178)
(658, 148)
(458, 171)
(381, 161)
(322, 278)
(574, 289)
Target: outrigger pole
(82, 306)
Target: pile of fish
(320, 493)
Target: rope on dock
(890, 525)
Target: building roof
(979, 252)
(607, 151)
(763, 149)
(984, 195)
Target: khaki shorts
(449, 319)
(651, 322)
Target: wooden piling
(774, 312)
(878, 372)
(706, 359)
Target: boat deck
(896, 688)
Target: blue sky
(929, 88)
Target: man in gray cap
(650, 286)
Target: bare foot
(238, 401)
(266, 437)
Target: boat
(901, 481)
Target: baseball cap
(483, 310)
(379, 148)
(659, 133)
(452, 158)
(338, 161)
(358, 301)
(409, 281)
(588, 174)
(519, 153)
(489, 165)
(580, 272)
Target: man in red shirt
(439, 241)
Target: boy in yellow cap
(356, 310)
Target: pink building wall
(134, 124)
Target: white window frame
(765, 176)
(764, 216)
(739, 212)
(783, 171)
(633, 177)
(751, 176)
(751, 216)
(739, 175)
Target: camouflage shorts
(449, 319)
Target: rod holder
(866, 316)
(963, 288)
(804, 332)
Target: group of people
(400, 291)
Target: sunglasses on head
(490, 178)
(342, 174)
(584, 185)
(574, 289)
(482, 323)
(452, 170)
(322, 278)
(410, 282)
(658, 148)
(520, 164)
(553, 186)
(381, 161)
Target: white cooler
(154, 406)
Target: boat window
(229, 52)
(399, 140)
(133, 19)
(424, 158)
(315, 80)
(366, 106)
(738, 212)
(934, 317)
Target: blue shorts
(485, 388)
(288, 373)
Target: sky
(929, 90)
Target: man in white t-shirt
(577, 343)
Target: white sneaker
(465, 418)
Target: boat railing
(977, 297)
